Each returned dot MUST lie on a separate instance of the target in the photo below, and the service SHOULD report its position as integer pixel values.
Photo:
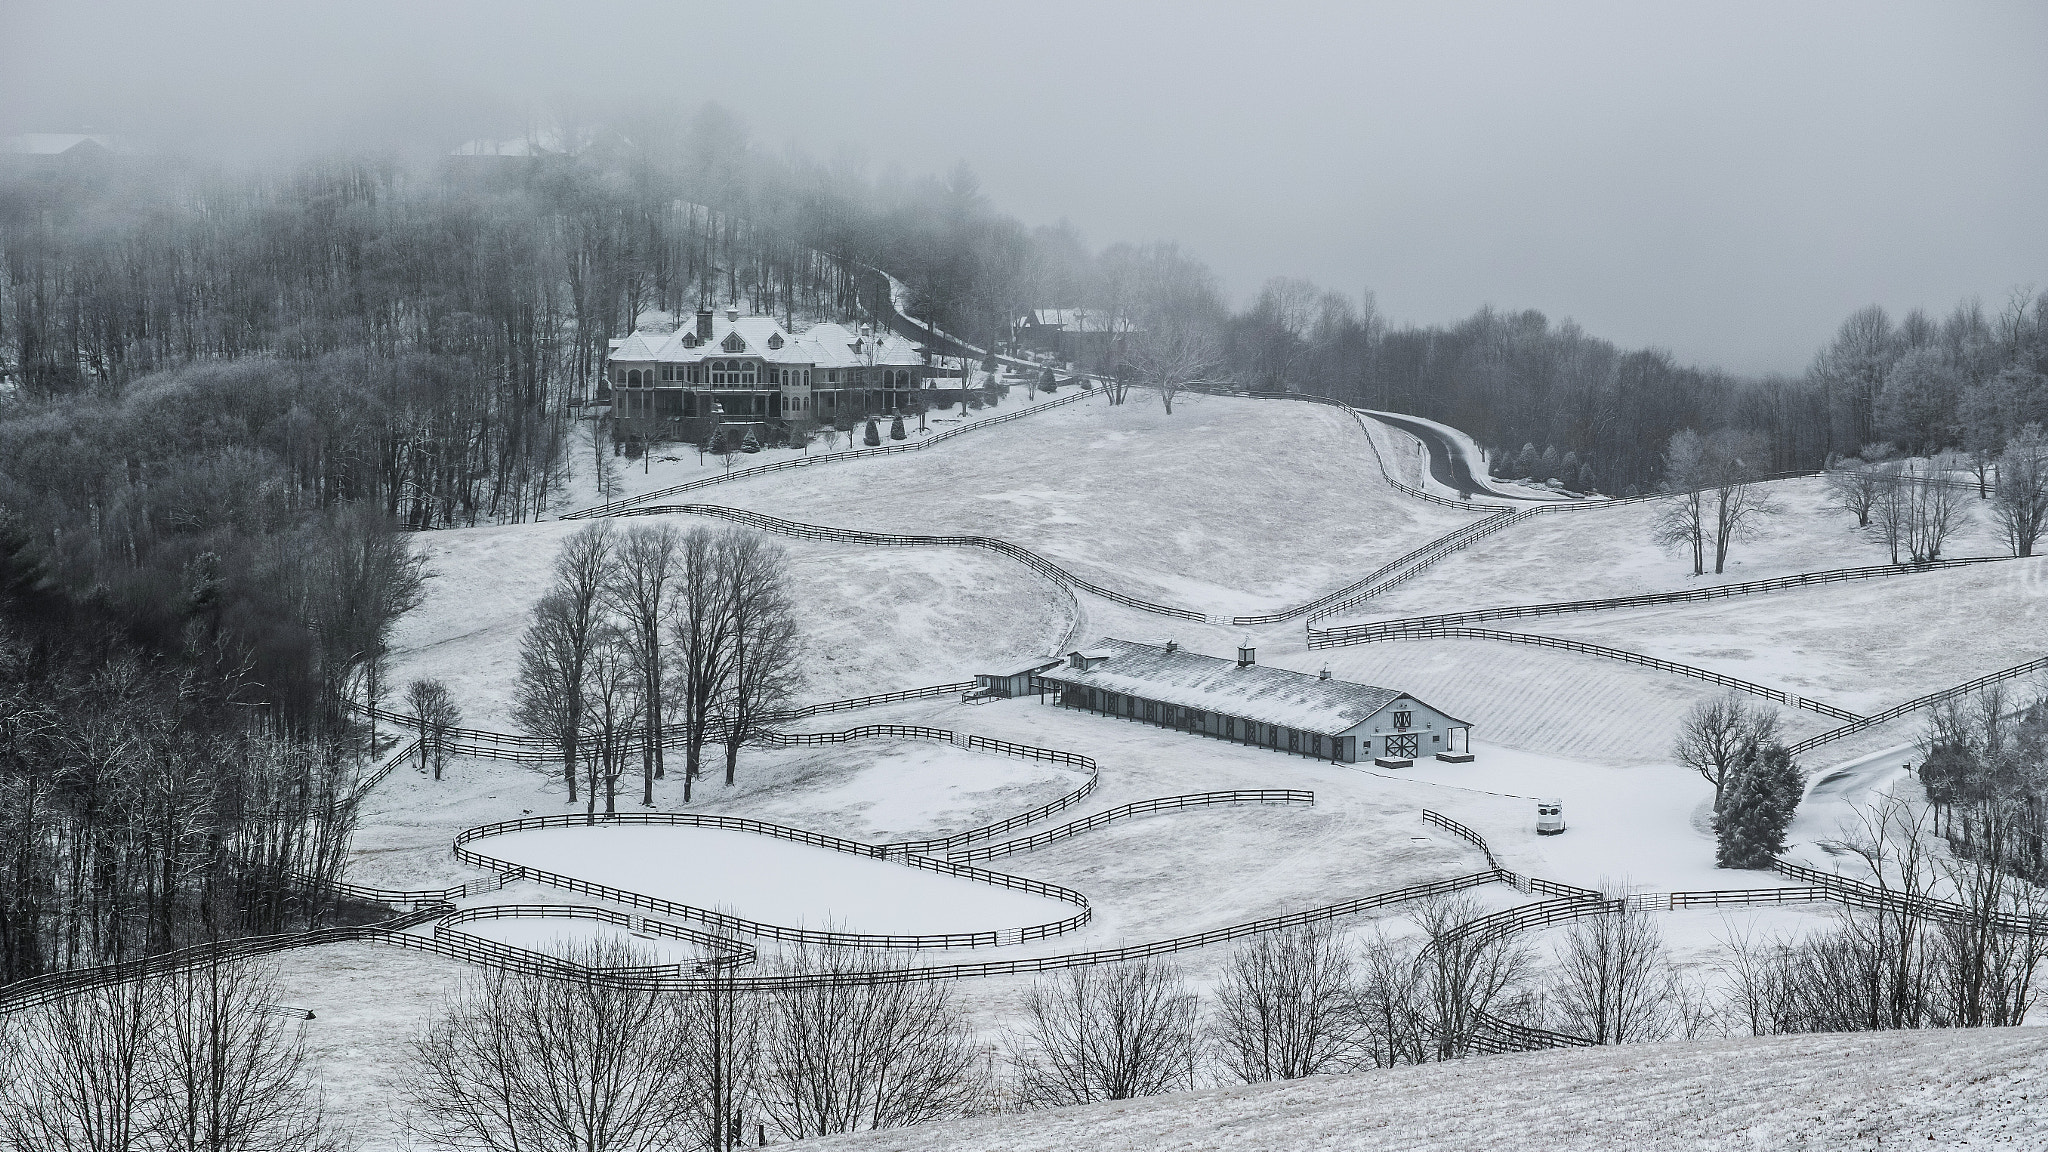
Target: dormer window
(689, 339)
(733, 343)
(775, 341)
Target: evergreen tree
(1757, 807)
(896, 428)
(873, 437)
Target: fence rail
(1349, 632)
(617, 507)
(1917, 703)
(726, 953)
(1131, 811)
(730, 923)
(1589, 649)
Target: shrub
(896, 428)
(873, 437)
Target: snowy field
(1597, 552)
(779, 882)
(1227, 506)
(563, 935)
(1936, 1090)
(1864, 646)
(873, 619)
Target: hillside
(1936, 1090)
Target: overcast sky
(1722, 179)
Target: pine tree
(1756, 808)
(873, 438)
(896, 428)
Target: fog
(1726, 180)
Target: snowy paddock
(873, 619)
(1229, 505)
(566, 936)
(1596, 552)
(773, 881)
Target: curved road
(1446, 463)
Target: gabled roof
(1068, 319)
(821, 346)
(58, 143)
(1254, 692)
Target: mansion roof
(820, 346)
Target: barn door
(1407, 745)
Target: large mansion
(734, 369)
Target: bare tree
(1174, 353)
(521, 1062)
(556, 650)
(435, 711)
(1111, 1032)
(724, 1026)
(1394, 1023)
(195, 1061)
(700, 631)
(1613, 983)
(764, 668)
(1682, 519)
(1734, 461)
(613, 712)
(1719, 734)
(1287, 1007)
(641, 593)
(1466, 976)
(2020, 500)
(1855, 488)
(858, 1051)
(232, 1069)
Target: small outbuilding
(1014, 678)
(1317, 716)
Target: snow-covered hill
(1934, 1090)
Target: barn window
(1403, 719)
(1315, 745)
(1151, 710)
(1293, 740)
(1230, 727)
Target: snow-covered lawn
(870, 790)
(773, 881)
(562, 935)
(873, 619)
(1864, 646)
(1228, 505)
(1936, 1090)
(1597, 552)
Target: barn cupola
(732, 315)
(1246, 654)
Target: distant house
(1015, 678)
(748, 370)
(1076, 335)
(57, 149)
(1244, 701)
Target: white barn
(1246, 702)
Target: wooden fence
(1131, 811)
(730, 923)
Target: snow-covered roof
(56, 143)
(1252, 692)
(821, 346)
(1018, 666)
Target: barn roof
(1254, 692)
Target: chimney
(703, 323)
(1246, 654)
(1324, 674)
(732, 315)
